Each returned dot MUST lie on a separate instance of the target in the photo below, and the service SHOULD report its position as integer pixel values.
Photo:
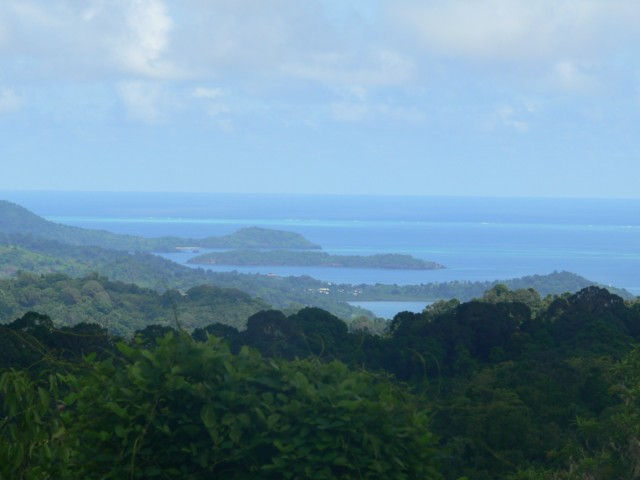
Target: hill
(15, 219)
(120, 307)
(37, 255)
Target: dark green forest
(509, 386)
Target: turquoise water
(476, 238)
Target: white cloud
(66, 38)
(519, 30)
(9, 101)
(201, 40)
(141, 50)
(517, 116)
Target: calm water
(389, 309)
(476, 238)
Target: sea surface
(475, 238)
(388, 310)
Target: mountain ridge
(15, 219)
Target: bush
(198, 411)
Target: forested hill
(37, 255)
(553, 283)
(121, 307)
(15, 219)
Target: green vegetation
(516, 387)
(15, 219)
(35, 251)
(26, 253)
(519, 387)
(313, 259)
(259, 238)
(552, 284)
(195, 410)
(122, 308)
(19, 252)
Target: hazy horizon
(312, 194)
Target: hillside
(554, 283)
(120, 307)
(28, 253)
(15, 219)
(18, 252)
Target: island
(256, 237)
(313, 259)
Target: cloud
(9, 100)
(269, 54)
(270, 41)
(517, 116)
(92, 38)
(518, 30)
(508, 117)
(142, 48)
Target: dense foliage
(518, 387)
(313, 259)
(195, 410)
(119, 307)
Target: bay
(475, 238)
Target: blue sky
(455, 97)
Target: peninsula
(15, 219)
(313, 259)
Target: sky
(394, 97)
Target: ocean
(475, 238)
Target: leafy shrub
(195, 410)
